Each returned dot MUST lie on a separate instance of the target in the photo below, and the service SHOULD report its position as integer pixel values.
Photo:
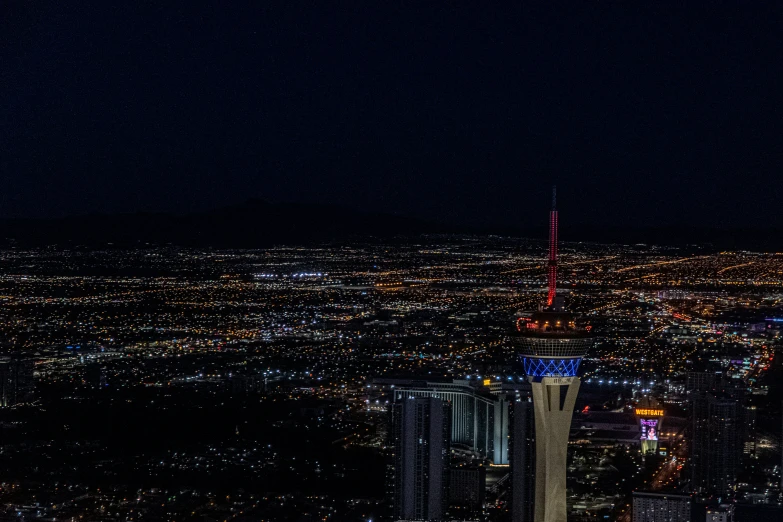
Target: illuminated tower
(421, 444)
(552, 346)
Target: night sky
(652, 114)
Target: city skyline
(391, 262)
(269, 375)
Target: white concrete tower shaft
(553, 423)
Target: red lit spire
(552, 268)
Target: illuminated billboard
(649, 429)
(650, 415)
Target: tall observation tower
(551, 346)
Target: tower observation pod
(551, 346)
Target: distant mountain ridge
(256, 224)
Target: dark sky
(650, 114)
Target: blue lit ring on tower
(536, 367)
(551, 345)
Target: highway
(664, 478)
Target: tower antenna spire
(552, 265)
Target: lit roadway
(664, 475)
(763, 364)
(663, 478)
(661, 263)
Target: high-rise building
(479, 418)
(724, 442)
(699, 385)
(552, 347)
(522, 457)
(749, 425)
(719, 429)
(659, 507)
(467, 486)
(420, 469)
(16, 381)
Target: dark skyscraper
(699, 384)
(420, 436)
(479, 418)
(718, 430)
(522, 456)
(467, 487)
(724, 442)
